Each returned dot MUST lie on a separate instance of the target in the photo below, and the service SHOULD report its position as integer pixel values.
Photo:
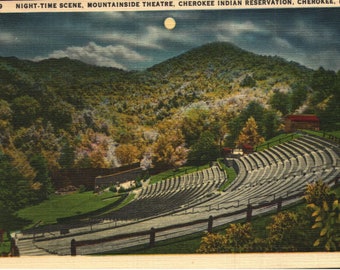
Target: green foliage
(325, 97)
(289, 101)
(67, 155)
(323, 83)
(204, 150)
(281, 232)
(238, 238)
(122, 190)
(71, 114)
(15, 190)
(249, 134)
(267, 122)
(5, 245)
(326, 214)
(287, 231)
(195, 122)
(213, 243)
(248, 81)
(26, 110)
(298, 96)
(113, 189)
(317, 192)
(42, 179)
(280, 101)
(82, 189)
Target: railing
(151, 234)
(324, 135)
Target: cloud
(311, 33)
(328, 59)
(153, 37)
(137, 40)
(109, 56)
(235, 29)
(281, 43)
(8, 38)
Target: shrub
(113, 189)
(82, 189)
(121, 190)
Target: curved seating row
(188, 180)
(280, 171)
(171, 194)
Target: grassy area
(277, 140)
(127, 200)
(288, 137)
(231, 174)
(335, 133)
(322, 134)
(172, 173)
(181, 245)
(60, 206)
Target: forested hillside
(62, 113)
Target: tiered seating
(276, 172)
(171, 194)
(280, 171)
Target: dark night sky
(137, 40)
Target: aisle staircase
(27, 248)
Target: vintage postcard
(205, 133)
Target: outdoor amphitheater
(266, 181)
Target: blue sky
(137, 40)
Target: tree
(5, 119)
(60, 114)
(42, 182)
(39, 138)
(26, 109)
(204, 150)
(326, 212)
(67, 155)
(213, 243)
(270, 124)
(281, 232)
(15, 191)
(325, 98)
(280, 102)
(194, 123)
(169, 144)
(127, 153)
(249, 134)
(238, 238)
(329, 113)
(5, 112)
(317, 192)
(298, 96)
(323, 84)
(169, 148)
(248, 81)
(327, 220)
(255, 110)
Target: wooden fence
(152, 232)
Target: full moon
(169, 23)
